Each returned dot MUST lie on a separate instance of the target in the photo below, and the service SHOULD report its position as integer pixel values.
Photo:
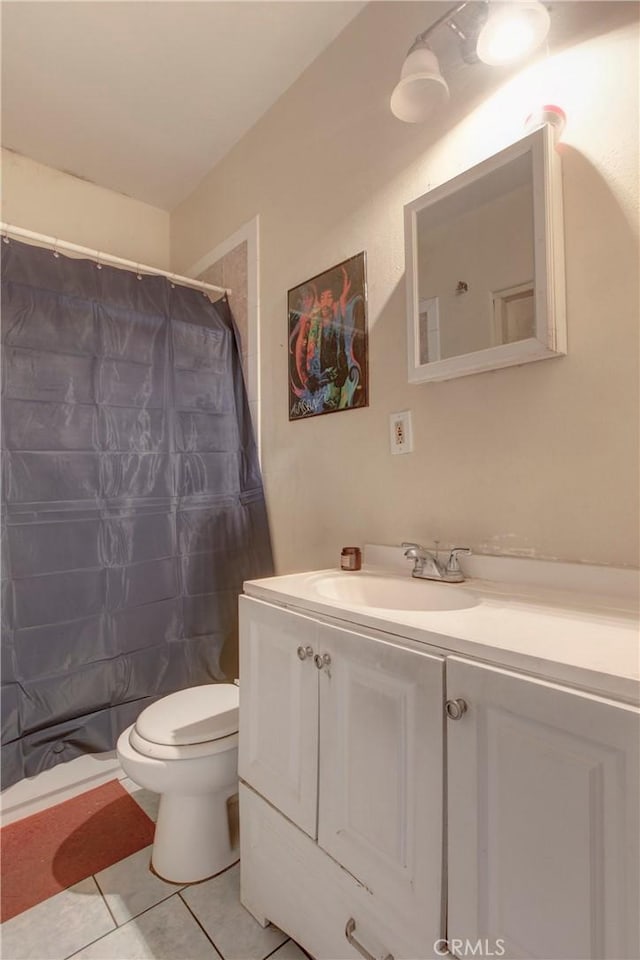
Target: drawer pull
(304, 652)
(349, 931)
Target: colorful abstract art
(328, 364)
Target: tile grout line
(279, 947)
(97, 939)
(90, 944)
(135, 915)
(121, 926)
(105, 901)
(219, 952)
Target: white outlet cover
(400, 432)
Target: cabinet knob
(304, 652)
(456, 708)
(322, 660)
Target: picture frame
(328, 364)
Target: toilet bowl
(185, 747)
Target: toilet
(185, 747)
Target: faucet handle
(411, 546)
(453, 566)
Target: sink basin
(392, 593)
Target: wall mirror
(485, 265)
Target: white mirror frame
(549, 285)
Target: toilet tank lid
(194, 715)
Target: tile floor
(127, 913)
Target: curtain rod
(106, 258)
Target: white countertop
(571, 636)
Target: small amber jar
(350, 558)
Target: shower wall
(231, 271)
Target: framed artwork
(328, 362)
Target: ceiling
(145, 97)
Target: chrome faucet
(426, 565)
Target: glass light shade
(422, 88)
(512, 31)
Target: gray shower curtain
(133, 506)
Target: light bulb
(422, 88)
(512, 31)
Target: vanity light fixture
(422, 88)
(510, 31)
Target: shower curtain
(133, 506)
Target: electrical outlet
(401, 434)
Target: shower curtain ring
(55, 248)
(138, 274)
(98, 264)
(5, 237)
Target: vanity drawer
(314, 898)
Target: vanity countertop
(569, 636)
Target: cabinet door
(278, 754)
(542, 818)
(380, 801)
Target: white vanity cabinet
(384, 810)
(342, 733)
(279, 710)
(542, 817)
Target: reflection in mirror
(484, 266)
(475, 265)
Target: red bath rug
(51, 850)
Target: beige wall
(39, 198)
(539, 460)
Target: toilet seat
(196, 722)
(185, 751)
